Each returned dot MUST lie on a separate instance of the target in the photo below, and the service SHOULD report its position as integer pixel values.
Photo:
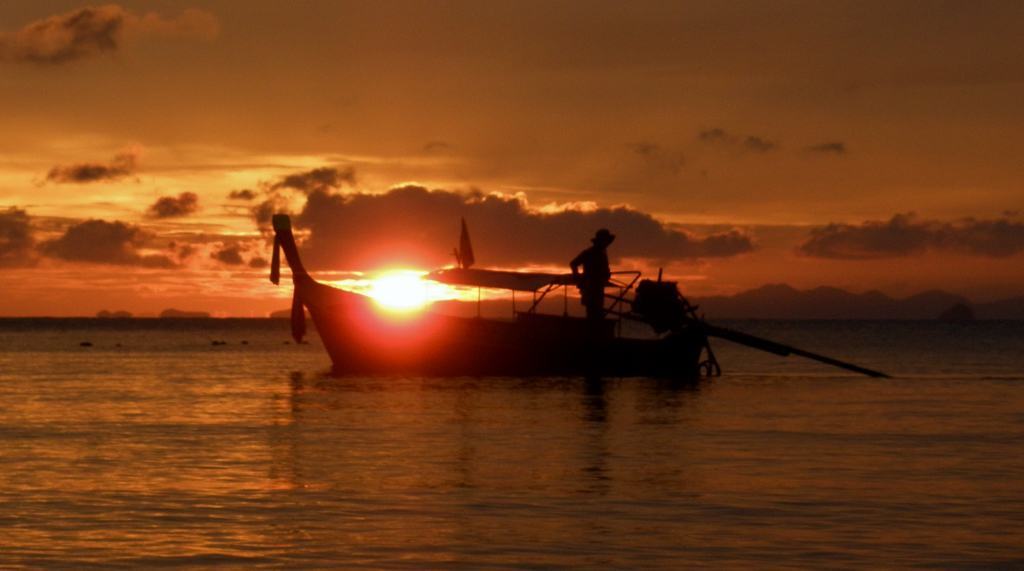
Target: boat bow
(306, 292)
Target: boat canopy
(500, 279)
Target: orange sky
(717, 139)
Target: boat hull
(361, 339)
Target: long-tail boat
(362, 339)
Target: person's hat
(603, 236)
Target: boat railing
(623, 285)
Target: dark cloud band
(907, 235)
(415, 226)
(66, 37)
(324, 178)
(102, 242)
(230, 255)
(93, 31)
(16, 241)
(243, 194)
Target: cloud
(16, 241)
(759, 145)
(102, 242)
(318, 179)
(906, 235)
(323, 179)
(658, 157)
(436, 147)
(182, 251)
(413, 226)
(263, 211)
(228, 255)
(244, 194)
(174, 206)
(123, 164)
(66, 37)
(191, 23)
(752, 143)
(831, 147)
(95, 30)
(234, 251)
(714, 135)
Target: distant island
(284, 314)
(179, 314)
(781, 301)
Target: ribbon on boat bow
(298, 315)
(275, 263)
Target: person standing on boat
(596, 272)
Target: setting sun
(399, 290)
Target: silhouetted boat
(363, 339)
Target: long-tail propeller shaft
(663, 307)
(780, 349)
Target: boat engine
(660, 304)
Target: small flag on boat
(465, 256)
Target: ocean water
(154, 447)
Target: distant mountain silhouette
(179, 314)
(1012, 308)
(780, 301)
